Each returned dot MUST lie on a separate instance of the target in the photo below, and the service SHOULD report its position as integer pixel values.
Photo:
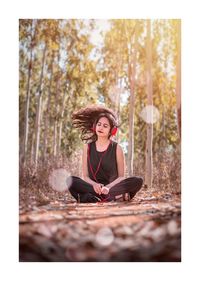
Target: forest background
(131, 66)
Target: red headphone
(113, 131)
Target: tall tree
(47, 112)
(60, 123)
(149, 157)
(132, 80)
(56, 113)
(39, 109)
(178, 77)
(27, 102)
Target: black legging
(84, 192)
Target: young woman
(103, 159)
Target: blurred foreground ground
(147, 229)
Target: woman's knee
(71, 180)
(137, 181)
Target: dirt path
(146, 229)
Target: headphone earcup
(114, 131)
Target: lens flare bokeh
(104, 237)
(60, 180)
(150, 114)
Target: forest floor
(146, 229)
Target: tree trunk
(149, 158)
(56, 111)
(46, 121)
(117, 110)
(178, 77)
(32, 147)
(61, 121)
(26, 120)
(55, 139)
(132, 70)
(38, 111)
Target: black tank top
(108, 168)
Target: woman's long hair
(86, 119)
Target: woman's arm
(120, 167)
(96, 186)
(85, 166)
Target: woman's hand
(105, 190)
(97, 188)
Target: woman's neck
(102, 141)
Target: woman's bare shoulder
(119, 148)
(85, 145)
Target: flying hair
(85, 119)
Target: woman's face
(103, 127)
